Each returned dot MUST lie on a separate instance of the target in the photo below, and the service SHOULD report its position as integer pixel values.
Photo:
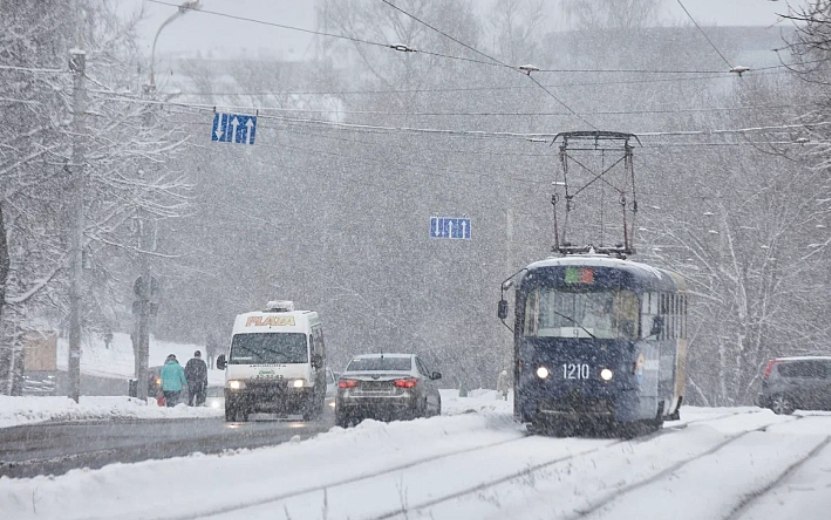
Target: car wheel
(242, 415)
(312, 408)
(341, 420)
(781, 404)
(230, 414)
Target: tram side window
(663, 310)
(649, 309)
(673, 316)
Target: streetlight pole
(145, 289)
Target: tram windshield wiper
(572, 320)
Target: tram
(599, 340)
(599, 343)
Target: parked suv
(803, 382)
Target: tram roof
(652, 277)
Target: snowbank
(15, 411)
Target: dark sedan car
(386, 387)
(791, 383)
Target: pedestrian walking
(173, 380)
(502, 385)
(196, 373)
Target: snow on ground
(117, 360)
(15, 411)
(475, 463)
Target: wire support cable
(473, 49)
(703, 33)
(461, 132)
(395, 47)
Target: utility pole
(144, 290)
(77, 64)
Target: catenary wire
(395, 47)
(458, 132)
(703, 33)
(720, 75)
(546, 90)
(440, 114)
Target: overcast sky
(224, 37)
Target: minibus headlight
(542, 372)
(606, 374)
(298, 383)
(236, 385)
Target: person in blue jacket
(173, 380)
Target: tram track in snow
(634, 486)
(337, 483)
(549, 463)
(320, 488)
(755, 495)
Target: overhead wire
(429, 172)
(395, 47)
(703, 33)
(448, 131)
(720, 75)
(448, 36)
(133, 97)
(470, 47)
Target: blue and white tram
(599, 342)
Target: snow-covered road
(473, 463)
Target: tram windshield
(562, 313)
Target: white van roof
(265, 321)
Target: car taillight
(347, 383)
(769, 368)
(405, 383)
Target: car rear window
(379, 363)
(811, 369)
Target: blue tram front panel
(583, 342)
(586, 378)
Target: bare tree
(35, 151)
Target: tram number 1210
(575, 371)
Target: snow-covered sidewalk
(15, 411)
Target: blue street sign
(449, 227)
(234, 128)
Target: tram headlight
(542, 372)
(606, 374)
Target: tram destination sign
(450, 227)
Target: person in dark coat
(196, 372)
